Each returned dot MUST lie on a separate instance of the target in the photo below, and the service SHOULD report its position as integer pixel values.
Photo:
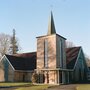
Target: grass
(14, 84)
(34, 87)
(23, 87)
(83, 87)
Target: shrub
(34, 77)
(38, 78)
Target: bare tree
(69, 44)
(87, 60)
(14, 48)
(8, 44)
(4, 44)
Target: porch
(55, 76)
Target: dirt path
(64, 87)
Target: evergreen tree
(14, 43)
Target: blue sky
(30, 19)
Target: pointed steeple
(51, 26)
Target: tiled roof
(71, 56)
(26, 61)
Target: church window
(61, 54)
(46, 53)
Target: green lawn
(35, 87)
(14, 84)
(83, 87)
(25, 86)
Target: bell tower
(51, 51)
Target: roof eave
(77, 58)
(8, 61)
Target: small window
(23, 77)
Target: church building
(57, 63)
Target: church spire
(51, 26)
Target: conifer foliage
(14, 48)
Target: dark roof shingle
(27, 61)
(23, 61)
(71, 56)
